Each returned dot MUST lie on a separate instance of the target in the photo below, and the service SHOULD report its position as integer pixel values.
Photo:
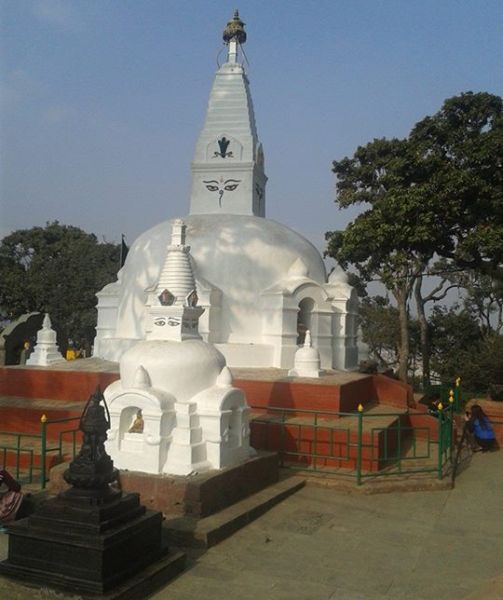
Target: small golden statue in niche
(137, 426)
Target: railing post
(359, 447)
(457, 394)
(399, 444)
(18, 454)
(43, 449)
(440, 438)
(452, 404)
(282, 441)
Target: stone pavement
(323, 544)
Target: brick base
(198, 495)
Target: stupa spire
(172, 304)
(228, 167)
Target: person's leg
(486, 445)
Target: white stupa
(307, 360)
(46, 351)
(261, 284)
(174, 409)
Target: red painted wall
(56, 385)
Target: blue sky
(103, 100)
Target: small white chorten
(307, 360)
(174, 409)
(46, 351)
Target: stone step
(209, 531)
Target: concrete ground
(323, 544)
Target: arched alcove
(306, 306)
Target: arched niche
(306, 307)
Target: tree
(392, 240)
(437, 192)
(380, 325)
(461, 151)
(461, 348)
(56, 269)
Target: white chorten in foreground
(46, 351)
(174, 409)
(261, 284)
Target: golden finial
(458, 381)
(43, 418)
(360, 408)
(235, 30)
(440, 406)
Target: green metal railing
(446, 391)
(28, 443)
(318, 441)
(45, 450)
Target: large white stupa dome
(240, 255)
(262, 285)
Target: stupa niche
(259, 282)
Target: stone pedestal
(91, 537)
(82, 546)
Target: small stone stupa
(46, 351)
(174, 409)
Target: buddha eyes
(229, 185)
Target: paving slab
(322, 543)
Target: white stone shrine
(46, 351)
(307, 360)
(174, 409)
(261, 284)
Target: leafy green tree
(460, 150)
(56, 269)
(391, 240)
(380, 325)
(436, 193)
(461, 348)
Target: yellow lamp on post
(43, 449)
(359, 445)
(457, 393)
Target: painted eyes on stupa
(229, 185)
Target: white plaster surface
(193, 419)
(251, 273)
(46, 351)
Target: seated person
(10, 497)
(479, 425)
